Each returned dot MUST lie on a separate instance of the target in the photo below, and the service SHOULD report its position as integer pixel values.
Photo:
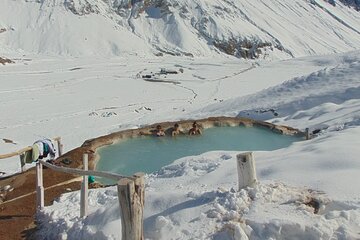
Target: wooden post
(246, 170)
(140, 191)
(84, 203)
(22, 162)
(140, 186)
(60, 147)
(39, 186)
(307, 133)
(131, 199)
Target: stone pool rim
(91, 146)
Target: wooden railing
(131, 191)
(131, 195)
(16, 153)
(29, 148)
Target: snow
(67, 81)
(204, 203)
(316, 92)
(63, 94)
(325, 98)
(289, 28)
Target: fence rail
(131, 191)
(131, 202)
(29, 148)
(16, 153)
(80, 172)
(25, 149)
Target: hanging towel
(40, 147)
(28, 156)
(35, 152)
(22, 160)
(50, 147)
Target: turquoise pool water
(149, 154)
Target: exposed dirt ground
(17, 217)
(17, 212)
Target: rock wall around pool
(90, 146)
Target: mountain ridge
(244, 29)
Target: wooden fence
(131, 195)
(131, 191)
(29, 148)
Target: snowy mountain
(351, 3)
(245, 29)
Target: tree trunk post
(246, 170)
(60, 147)
(307, 133)
(140, 191)
(131, 199)
(22, 162)
(39, 186)
(84, 203)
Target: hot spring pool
(148, 154)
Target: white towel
(40, 146)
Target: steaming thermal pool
(149, 153)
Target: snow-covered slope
(326, 98)
(81, 98)
(305, 191)
(204, 202)
(244, 28)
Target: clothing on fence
(40, 146)
(39, 150)
(35, 152)
(50, 147)
(43, 148)
(46, 147)
(26, 157)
